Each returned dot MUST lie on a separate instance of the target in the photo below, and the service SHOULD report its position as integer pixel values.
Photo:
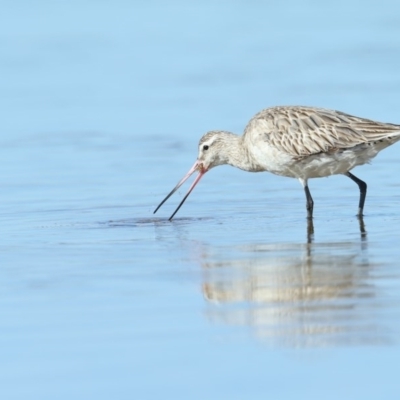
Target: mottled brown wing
(303, 131)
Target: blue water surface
(103, 104)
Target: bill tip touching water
(297, 142)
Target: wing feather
(303, 131)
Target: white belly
(322, 164)
(325, 164)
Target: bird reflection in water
(309, 294)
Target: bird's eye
(205, 147)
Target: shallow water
(237, 297)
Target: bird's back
(304, 131)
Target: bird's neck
(236, 153)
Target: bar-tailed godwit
(297, 142)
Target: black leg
(362, 228)
(363, 192)
(310, 202)
(310, 232)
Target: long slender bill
(195, 182)
(180, 183)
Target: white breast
(314, 166)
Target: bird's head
(212, 152)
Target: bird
(299, 142)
